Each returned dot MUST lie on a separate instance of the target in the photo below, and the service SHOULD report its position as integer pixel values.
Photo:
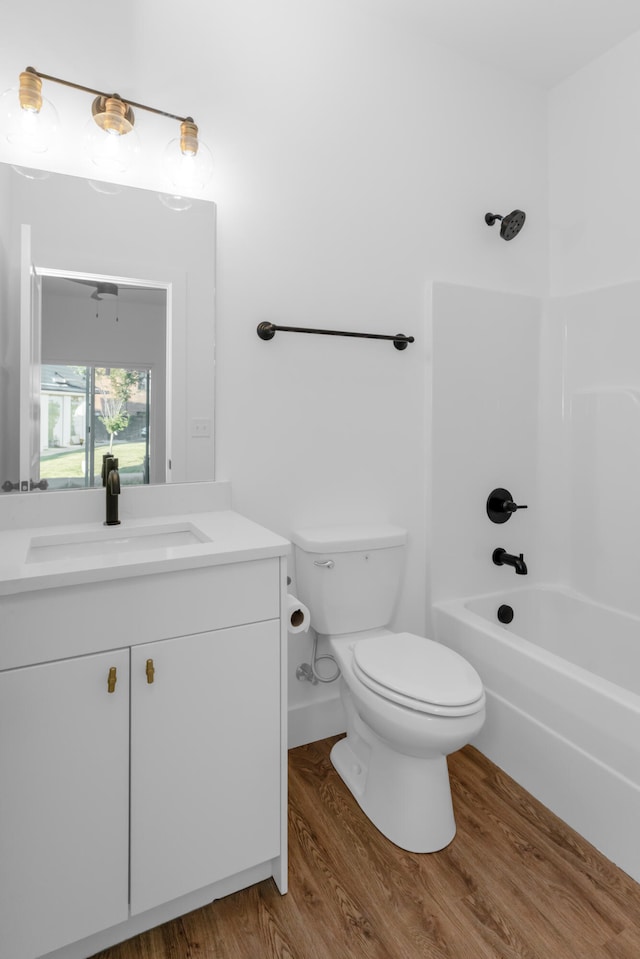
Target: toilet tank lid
(347, 539)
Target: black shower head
(511, 224)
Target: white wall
(594, 154)
(364, 161)
(590, 466)
(355, 163)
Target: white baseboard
(316, 720)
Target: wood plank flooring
(515, 883)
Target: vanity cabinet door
(64, 787)
(205, 759)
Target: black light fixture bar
(101, 93)
(267, 331)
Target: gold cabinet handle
(112, 680)
(150, 671)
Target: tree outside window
(115, 388)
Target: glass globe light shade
(108, 189)
(187, 162)
(27, 119)
(109, 150)
(30, 173)
(174, 201)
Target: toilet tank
(349, 576)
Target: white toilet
(409, 701)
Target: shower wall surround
(592, 479)
(543, 398)
(484, 434)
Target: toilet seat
(418, 673)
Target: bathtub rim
(458, 608)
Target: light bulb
(111, 140)
(187, 162)
(28, 119)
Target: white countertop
(231, 539)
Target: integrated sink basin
(112, 541)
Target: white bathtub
(563, 705)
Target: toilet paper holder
(297, 614)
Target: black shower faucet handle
(510, 507)
(500, 505)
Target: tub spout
(502, 558)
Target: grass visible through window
(70, 463)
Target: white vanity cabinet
(64, 796)
(142, 752)
(205, 767)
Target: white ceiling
(83, 289)
(543, 41)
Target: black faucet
(111, 480)
(502, 558)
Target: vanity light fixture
(31, 121)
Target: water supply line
(316, 659)
(307, 672)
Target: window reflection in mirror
(103, 381)
(86, 411)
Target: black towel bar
(267, 331)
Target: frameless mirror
(98, 292)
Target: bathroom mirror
(106, 333)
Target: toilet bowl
(409, 701)
(393, 758)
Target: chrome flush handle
(328, 563)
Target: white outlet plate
(201, 427)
